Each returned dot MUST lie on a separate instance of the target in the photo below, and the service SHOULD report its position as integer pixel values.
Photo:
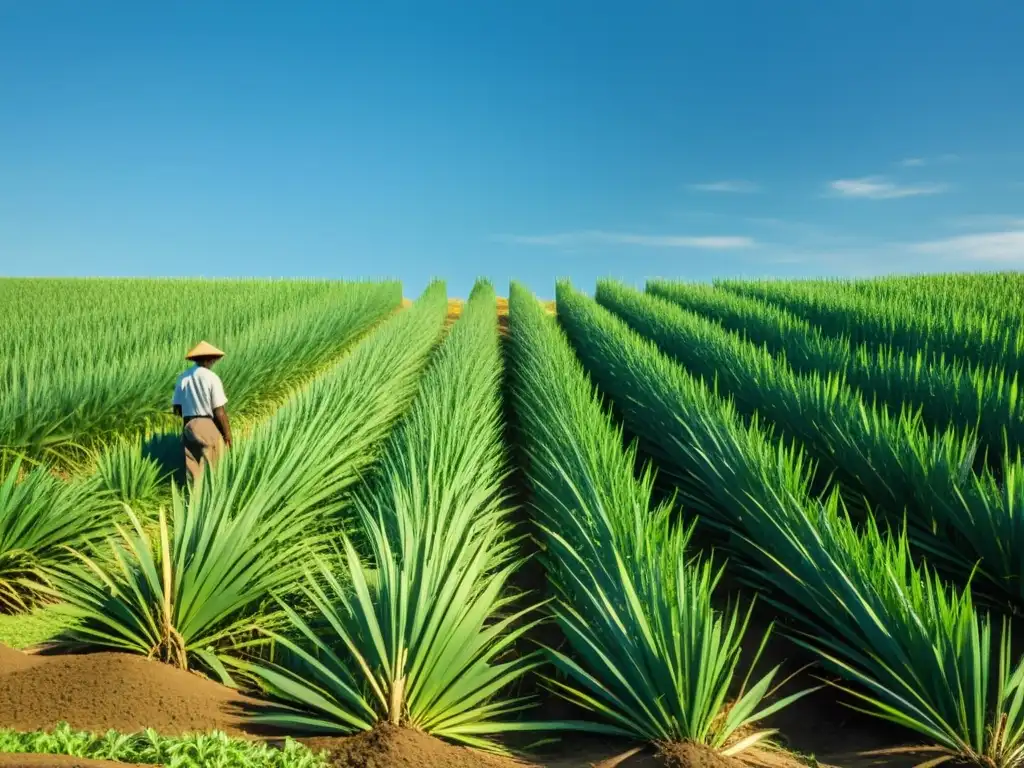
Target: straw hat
(203, 349)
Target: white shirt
(199, 391)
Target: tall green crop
(199, 593)
(996, 294)
(962, 333)
(894, 463)
(649, 655)
(40, 519)
(419, 637)
(914, 651)
(115, 347)
(946, 393)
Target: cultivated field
(779, 523)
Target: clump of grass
(198, 750)
(41, 519)
(129, 475)
(43, 623)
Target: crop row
(649, 654)
(353, 557)
(888, 466)
(993, 293)
(962, 333)
(969, 397)
(412, 632)
(915, 651)
(71, 384)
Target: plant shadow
(164, 448)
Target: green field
(779, 521)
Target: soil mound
(687, 755)
(56, 761)
(389, 747)
(11, 660)
(98, 691)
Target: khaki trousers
(202, 442)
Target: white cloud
(917, 162)
(1005, 246)
(599, 237)
(880, 188)
(737, 186)
(988, 221)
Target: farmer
(199, 399)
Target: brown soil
(686, 755)
(98, 691)
(11, 660)
(389, 747)
(57, 761)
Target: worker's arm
(220, 416)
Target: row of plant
(963, 333)
(993, 293)
(411, 622)
(912, 650)
(99, 383)
(946, 393)
(196, 585)
(95, 329)
(70, 311)
(408, 620)
(885, 465)
(411, 619)
(649, 656)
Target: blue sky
(528, 139)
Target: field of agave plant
(647, 506)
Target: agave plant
(124, 471)
(198, 588)
(421, 631)
(197, 592)
(912, 650)
(650, 656)
(412, 640)
(40, 518)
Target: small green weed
(199, 750)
